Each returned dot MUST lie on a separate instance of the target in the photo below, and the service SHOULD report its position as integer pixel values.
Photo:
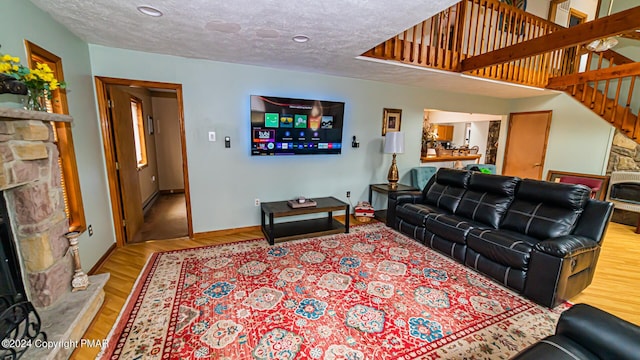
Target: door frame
(109, 147)
(546, 138)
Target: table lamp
(393, 144)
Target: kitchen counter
(427, 159)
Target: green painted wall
(20, 20)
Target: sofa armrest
(566, 246)
(604, 334)
(402, 197)
(560, 268)
(397, 198)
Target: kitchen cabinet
(445, 132)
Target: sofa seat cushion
(451, 227)
(502, 246)
(416, 214)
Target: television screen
(283, 126)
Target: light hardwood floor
(615, 288)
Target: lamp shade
(394, 142)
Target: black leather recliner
(587, 333)
(539, 238)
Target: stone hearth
(31, 185)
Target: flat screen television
(284, 126)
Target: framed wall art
(391, 120)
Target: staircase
(607, 88)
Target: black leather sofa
(587, 333)
(539, 238)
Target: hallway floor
(167, 218)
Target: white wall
(539, 8)
(168, 145)
(20, 20)
(225, 182)
(579, 140)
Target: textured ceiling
(259, 32)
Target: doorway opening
(451, 135)
(144, 120)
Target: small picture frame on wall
(150, 125)
(391, 120)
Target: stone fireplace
(624, 157)
(30, 184)
(30, 181)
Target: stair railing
(607, 85)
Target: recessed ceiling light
(149, 10)
(300, 38)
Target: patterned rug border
(146, 275)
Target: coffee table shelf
(284, 231)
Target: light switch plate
(212, 136)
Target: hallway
(167, 218)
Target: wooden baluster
(503, 36)
(595, 84)
(438, 42)
(423, 44)
(606, 92)
(514, 40)
(449, 38)
(532, 62)
(475, 37)
(483, 37)
(459, 31)
(628, 106)
(491, 36)
(432, 44)
(469, 28)
(496, 38)
(589, 60)
(615, 101)
(388, 48)
(584, 91)
(547, 61)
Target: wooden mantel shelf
(425, 159)
(8, 114)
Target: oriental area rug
(370, 294)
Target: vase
(35, 100)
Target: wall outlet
(257, 201)
(348, 194)
(90, 230)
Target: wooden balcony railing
(475, 27)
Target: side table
(385, 189)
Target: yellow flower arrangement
(39, 81)
(39, 78)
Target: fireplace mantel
(9, 114)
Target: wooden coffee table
(284, 231)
